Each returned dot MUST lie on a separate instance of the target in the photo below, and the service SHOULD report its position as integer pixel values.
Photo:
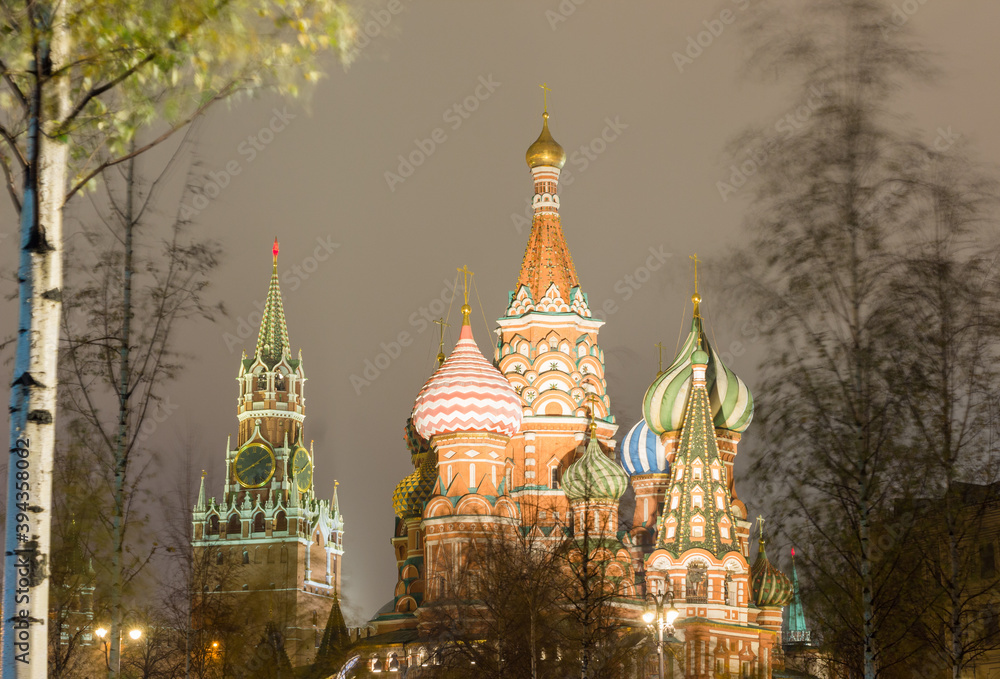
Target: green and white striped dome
(731, 400)
(594, 476)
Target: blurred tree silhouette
(848, 208)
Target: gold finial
(203, 473)
(659, 369)
(545, 98)
(696, 298)
(440, 356)
(592, 397)
(336, 483)
(760, 527)
(466, 309)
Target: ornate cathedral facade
(269, 545)
(525, 443)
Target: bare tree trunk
(33, 392)
(122, 436)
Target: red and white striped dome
(467, 394)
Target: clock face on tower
(302, 469)
(254, 465)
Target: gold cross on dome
(694, 258)
(696, 298)
(465, 280)
(440, 356)
(545, 96)
(760, 525)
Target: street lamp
(660, 615)
(134, 634)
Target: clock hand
(257, 463)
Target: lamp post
(660, 615)
(134, 634)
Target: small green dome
(416, 443)
(770, 587)
(594, 476)
(699, 357)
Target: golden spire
(659, 368)
(466, 309)
(440, 356)
(760, 528)
(696, 298)
(545, 98)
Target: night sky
(453, 87)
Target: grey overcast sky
(370, 256)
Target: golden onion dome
(546, 150)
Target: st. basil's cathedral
(525, 442)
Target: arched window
(258, 522)
(279, 383)
(281, 522)
(218, 558)
(246, 557)
(555, 477)
(213, 524)
(262, 382)
(233, 527)
(270, 555)
(284, 555)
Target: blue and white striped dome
(642, 452)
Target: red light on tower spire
(793, 552)
(274, 249)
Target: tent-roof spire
(272, 341)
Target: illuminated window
(670, 531)
(674, 502)
(697, 532)
(696, 471)
(696, 501)
(719, 502)
(680, 473)
(724, 531)
(715, 474)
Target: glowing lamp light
(672, 614)
(134, 634)
(648, 616)
(215, 644)
(101, 632)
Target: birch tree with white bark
(78, 79)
